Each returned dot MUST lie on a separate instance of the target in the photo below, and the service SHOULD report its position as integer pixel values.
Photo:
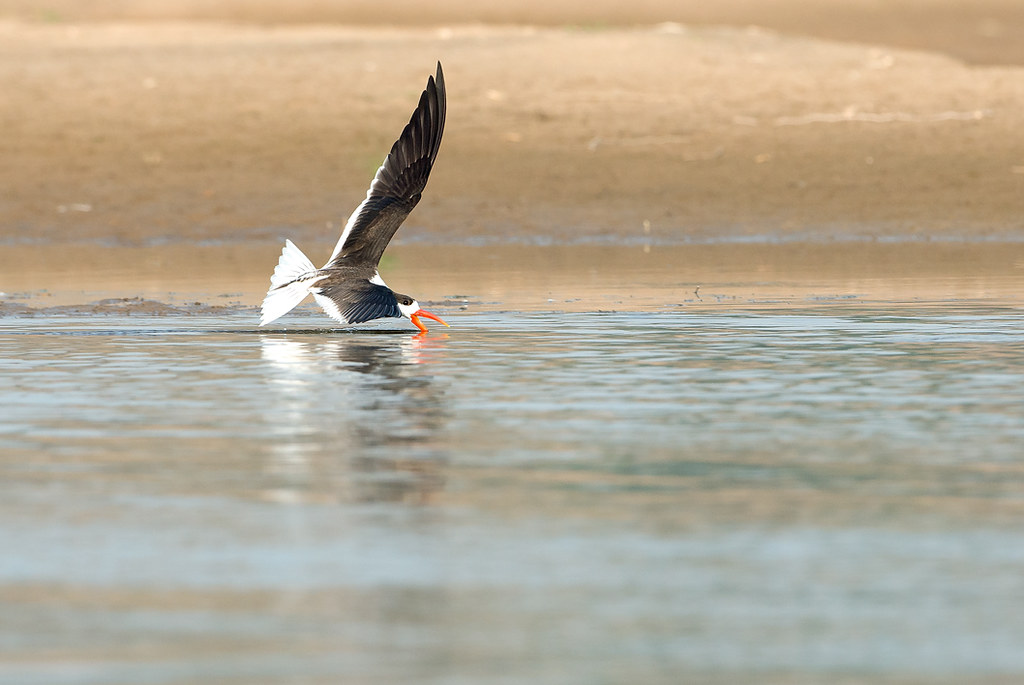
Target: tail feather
(289, 284)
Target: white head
(411, 308)
(407, 305)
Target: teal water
(799, 495)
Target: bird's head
(411, 308)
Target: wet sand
(180, 279)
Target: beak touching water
(415, 318)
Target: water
(793, 495)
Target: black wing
(398, 184)
(359, 300)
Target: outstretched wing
(400, 180)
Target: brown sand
(130, 123)
(981, 31)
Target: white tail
(289, 285)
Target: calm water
(768, 496)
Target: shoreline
(539, 278)
(168, 161)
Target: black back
(358, 300)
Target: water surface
(796, 494)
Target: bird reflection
(356, 416)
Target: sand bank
(194, 148)
(151, 133)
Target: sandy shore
(145, 132)
(136, 125)
(981, 32)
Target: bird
(349, 287)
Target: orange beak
(415, 318)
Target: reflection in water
(356, 416)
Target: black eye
(406, 301)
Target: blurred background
(153, 121)
(984, 32)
